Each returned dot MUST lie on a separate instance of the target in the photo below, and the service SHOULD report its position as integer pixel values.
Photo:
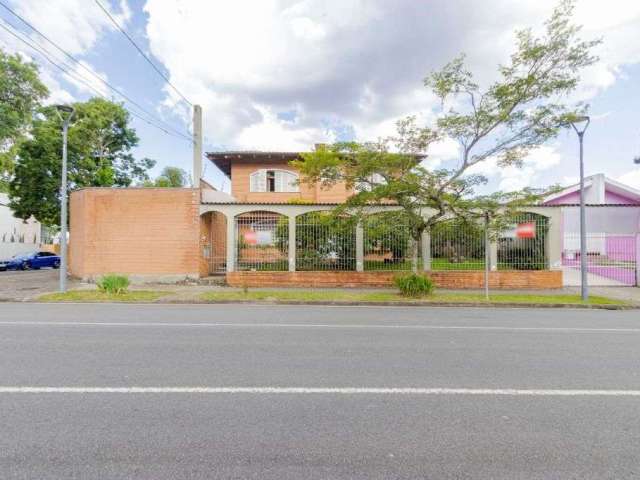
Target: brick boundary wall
(147, 233)
(505, 279)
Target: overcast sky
(283, 75)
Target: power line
(83, 80)
(72, 74)
(113, 20)
(95, 75)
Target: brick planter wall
(507, 279)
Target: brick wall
(138, 231)
(511, 279)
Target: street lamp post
(65, 112)
(580, 125)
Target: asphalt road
(317, 392)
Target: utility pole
(65, 112)
(197, 145)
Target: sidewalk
(25, 286)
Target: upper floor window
(273, 181)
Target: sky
(285, 74)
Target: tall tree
(99, 155)
(21, 92)
(172, 177)
(519, 112)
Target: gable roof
(598, 186)
(223, 159)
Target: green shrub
(114, 284)
(414, 285)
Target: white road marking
(264, 304)
(331, 390)
(318, 325)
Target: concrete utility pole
(65, 112)
(584, 288)
(197, 145)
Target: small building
(613, 231)
(16, 235)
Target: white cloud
(359, 61)
(631, 178)
(86, 82)
(75, 25)
(569, 180)
(442, 151)
(306, 29)
(513, 178)
(279, 135)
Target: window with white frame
(274, 181)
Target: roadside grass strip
(347, 296)
(334, 296)
(100, 296)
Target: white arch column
(231, 243)
(359, 247)
(426, 251)
(292, 243)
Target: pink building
(613, 230)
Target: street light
(65, 112)
(580, 125)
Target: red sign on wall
(250, 237)
(526, 230)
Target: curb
(344, 303)
(407, 304)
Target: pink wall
(573, 197)
(621, 247)
(611, 198)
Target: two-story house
(270, 229)
(267, 198)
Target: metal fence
(324, 242)
(613, 245)
(612, 259)
(262, 241)
(215, 245)
(458, 245)
(387, 242)
(523, 244)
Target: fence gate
(612, 259)
(215, 245)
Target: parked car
(35, 260)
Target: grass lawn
(347, 296)
(98, 296)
